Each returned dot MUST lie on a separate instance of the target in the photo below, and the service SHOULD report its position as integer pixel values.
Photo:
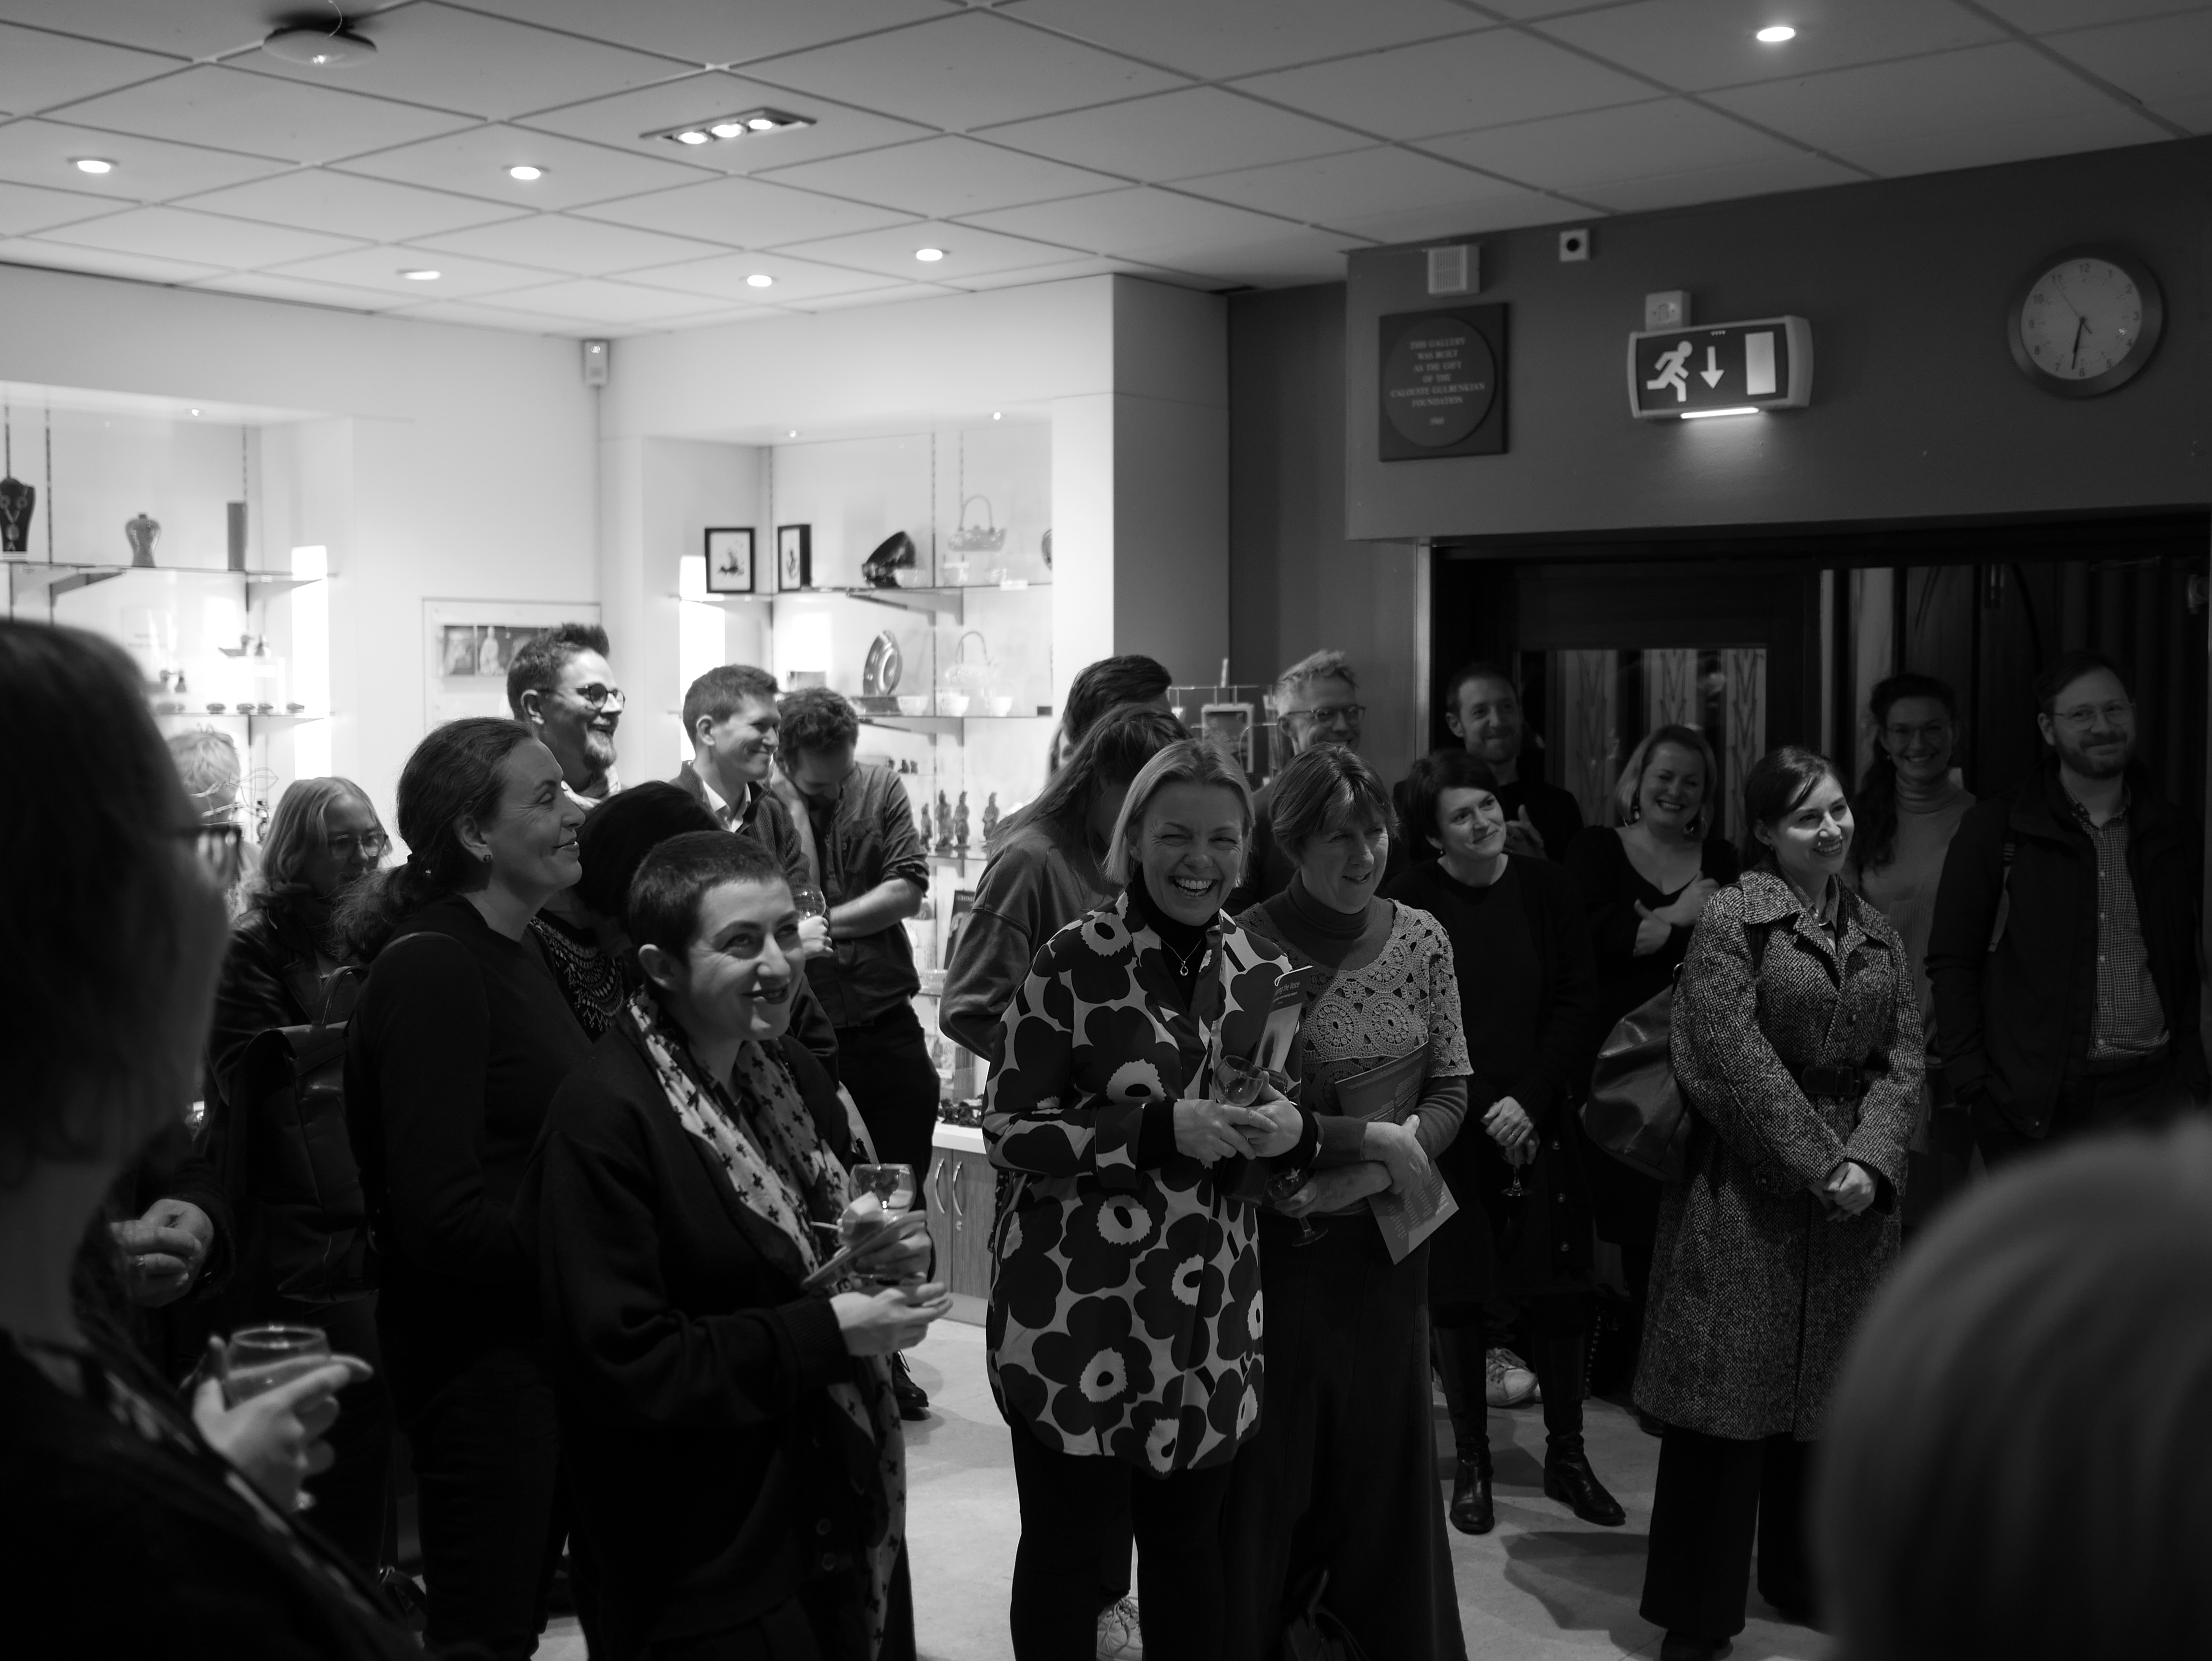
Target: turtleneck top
(1904, 889)
(1185, 941)
(1337, 940)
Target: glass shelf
(942, 602)
(29, 576)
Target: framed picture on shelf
(470, 643)
(794, 556)
(730, 559)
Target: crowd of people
(551, 1128)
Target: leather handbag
(1635, 1110)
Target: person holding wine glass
(1528, 993)
(725, 1382)
(1339, 1490)
(1125, 1316)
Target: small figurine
(990, 817)
(943, 824)
(960, 824)
(921, 813)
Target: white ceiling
(1211, 143)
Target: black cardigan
(714, 1477)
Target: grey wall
(1917, 409)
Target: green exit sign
(1724, 368)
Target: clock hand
(2080, 329)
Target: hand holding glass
(813, 908)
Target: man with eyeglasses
(1316, 702)
(1482, 708)
(2064, 952)
(561, 687)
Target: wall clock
(2085, 321)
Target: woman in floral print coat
(1797, 1047)
(1125, 1316)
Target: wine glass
(811, 902)
(1514, 1164)
(1239, 1081)
(257, 1359)
(893, 1184)
(1281, 1187)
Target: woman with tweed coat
(1797, 1047)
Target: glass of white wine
(257, 1359)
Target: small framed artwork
(794, 556)
(730, 560)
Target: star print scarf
(765, 1140)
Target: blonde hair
(1192, 761)
(1631, 781)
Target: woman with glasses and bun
(302, 1255)
(131, 1526)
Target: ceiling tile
(1328, 189)
(1136, 223)
(1236, 37)
(266, 285)
(966, 71)
(946, 176)
(967, 248)
(1300, 256)
(186, 28)
(460, 276)
(723, 277)
(489, 316)
(1093, 265)
(1698, 44)
(1200, 130)
(2041, 16)
(477, 161)
(487, 66)
(26, 208)
(594, 301)
(1676, 190)
(39, 70)
(259, 115)
(623, 119)
(1476, 81)
(716, 31)
(581, 247)
(101, 261)
(1507, 207)
(1959, 109)
(146, 169)
(904, 291)
(745, 213)
(350, 205)
(2167, 61)
(203, 238)
(1630, 141)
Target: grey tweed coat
(1754, 1290)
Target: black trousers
(351, 1496)
(491, 1504)
(2140, 1096)
(886, 1064)
(1554, 1329)
(1068, 1503)
(1713, 1492)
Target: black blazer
(713, 1476)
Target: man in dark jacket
(731, 721)
(2065, 949)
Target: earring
(487, 858)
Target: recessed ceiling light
(691, 135)
(728, 130)
(526, 173)
(760, 123)
(760, 280)
(744, 125)
(794, 432)
(196, 412)
(422, 276)
(929, 256)
(994, 415)
(337, 48)
(92, 164)
(1774, 35)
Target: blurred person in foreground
(2015, 1454)
(736, 1449)
(132, 1527)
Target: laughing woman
(1124, 1321)
(735, 1447)
(1338, 1498)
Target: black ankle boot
(1472, 1511)
(1567, 1473)
(1568, 1477)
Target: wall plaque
(1442, 375)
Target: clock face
(2085, 322)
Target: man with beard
(2063, 952)
(561, 687)
(1482, 707)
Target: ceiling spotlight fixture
(334, 48)
(793, 432)
(929, 256)
(744, 125)
(760, 280)
(420, 276)
(91, 164)
(994, 415)
(1774, 34)
(196, 412)
(526, 173)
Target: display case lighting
(746, 124)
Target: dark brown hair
(620, 832)
(1108, 684)
(1873, 804)
(1434, 774)
(662, 908)
(1324, 784)
(537, 667)
(814, 719)
(722, 691)
(1779, 781)
(2013, 1460)
(1113, 752)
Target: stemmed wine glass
(894, 1185)
(1515, 1165)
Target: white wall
(457, 463)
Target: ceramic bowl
(952, 703)
(914, 703)
(1002, 706)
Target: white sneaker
(1507, 1381)
(1119, 1636)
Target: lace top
(1406, 997)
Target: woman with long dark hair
(460, 1038)
(1910, 805)
(1797, 1046)
(303, 1256)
